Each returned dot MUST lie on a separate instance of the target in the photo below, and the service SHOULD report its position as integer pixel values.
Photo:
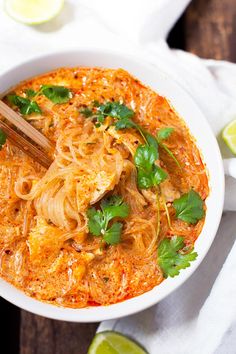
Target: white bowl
(206, 142)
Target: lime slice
(33, 12)
(110, 342)
(229, 136)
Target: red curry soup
(122, 203)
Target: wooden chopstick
(24, 126)
(23, 144)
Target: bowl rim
(148, 299)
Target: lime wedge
(229, 135)
(110, 342)
(33, 12)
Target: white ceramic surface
(206, 142)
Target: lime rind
(33, 12)
(229, 136)
(110, 342)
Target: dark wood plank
(40, 335)
(210, 27)
(9, 327)
(176, 37)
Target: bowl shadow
(66, 16)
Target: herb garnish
(25, 105)
(151, 140)
(189, 207)
(3, 138)
(112, 235)
(116, 110)
(56, 94)
(87, 112)
(98, 220)
(164, 133)
(30, 93)
(123, 116)
(149, 174)
(172, 256)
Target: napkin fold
(200, 316)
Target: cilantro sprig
(123, 120)
(56, 94)
(189, 207)
(165, 133)
(28, 105)
(25, 105)
(115, 110)
(173, 256)
(87, 112)
(3, 138)
(99, 221)
(149, 174)
(120, 112)
(30, 93)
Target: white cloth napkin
(199, 317)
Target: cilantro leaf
(114, 207)
(170, 153)
(149, 174)
(125, 123)
(189, 207)
(113, 200)
(95, 222)
(115, 110)
(145, 156)
(95, 103)
(147, 179)
(112, 235)
(100, 119)
(30, 93)
(164, 133)
(56, 94)
(123, 116)
(3, 138)
(30, 107)
(144, 179)
(159, 175)
(170, 259)
(87, 112)
(112, 109)
(177, 242)
(25, 105)
(151, 140)
(98, 220)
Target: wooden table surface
(208, 29)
